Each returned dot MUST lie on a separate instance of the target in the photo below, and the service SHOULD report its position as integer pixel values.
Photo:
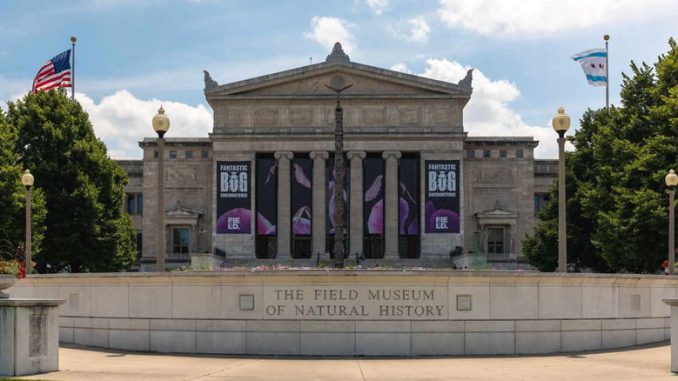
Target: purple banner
(233, 197)
(267, 196)
(408, 212)
(302, 169)
(442, 196)
(373, 201)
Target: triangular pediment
(496, 215)
(180, 211)
(301, 99)
(312, 80)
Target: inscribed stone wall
(352, 313)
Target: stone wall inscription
(37, 331)
(355, 302)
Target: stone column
(391, 204)
(356, 200)
(318, 225)
(284, 217)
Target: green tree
(86, 229)
(12, 200)
(617, 206)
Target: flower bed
(13, 267)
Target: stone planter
(6, 281)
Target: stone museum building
(260, 186)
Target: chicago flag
(594, 63)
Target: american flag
(55, 73)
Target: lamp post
(161, 124)
(561, 122)
(671, 182)
(27, 181)
(338, 84)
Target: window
(495, 240)
(135, 203)
(173, 155)
(131, 204)
(487, 153)
(139, 244)
(205, 154)
(502, 153)
(180, 240)
(519, 154)
(540, 200)
(470, 153)
(189, 154)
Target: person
(665, 265)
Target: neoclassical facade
(260, 187)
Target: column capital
(319, 155)
(356, 154)
(283, 155)
(391, 154)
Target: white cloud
(121, 120)
(420, 29)
(415, 30)
(13, 89)
(328, 30)
(533, 18)
(401, 67)
(488, 113)
(377, 6)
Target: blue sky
(132, 55)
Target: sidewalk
(641, 363)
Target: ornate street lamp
(561, 122)
(161, 124)
(338, 84)
(27, 181)
(671, 182)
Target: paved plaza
(640, 363)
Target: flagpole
(607, 72)
(73, 39)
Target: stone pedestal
(674, 333)
(29, 336)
